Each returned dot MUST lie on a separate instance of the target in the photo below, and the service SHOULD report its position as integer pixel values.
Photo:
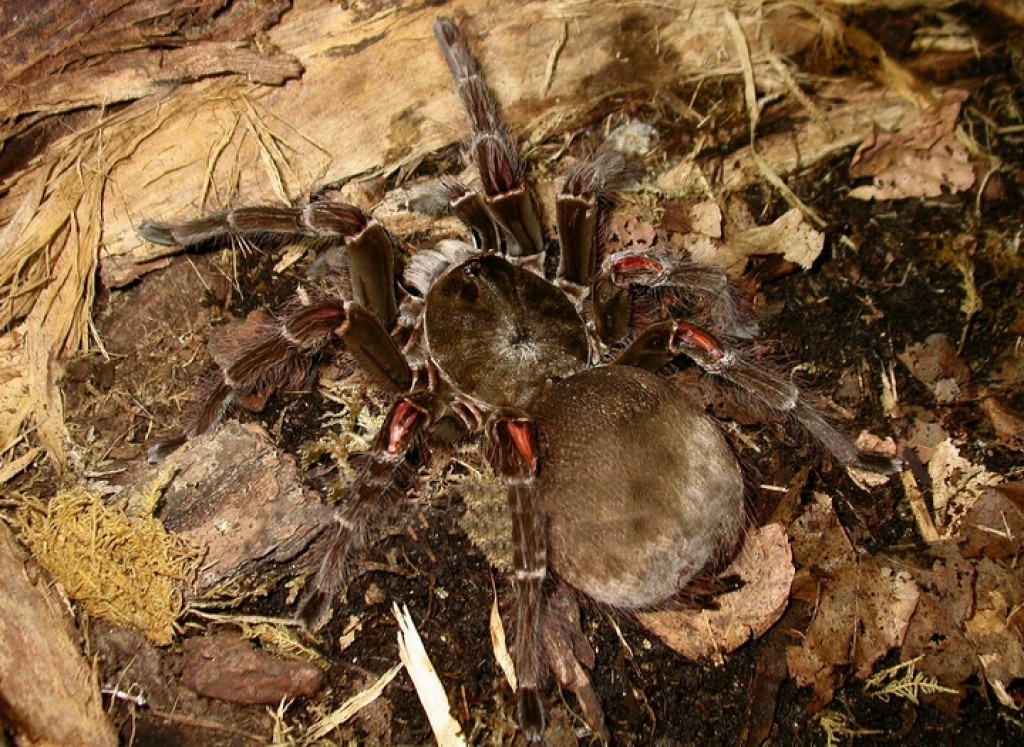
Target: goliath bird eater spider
(619, 486)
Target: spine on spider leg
(270, 356)
(512, 452)
(383, 478)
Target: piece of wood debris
(428, 685)
(48, 693)
(224, 666)
(237, 495)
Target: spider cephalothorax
(595, 449)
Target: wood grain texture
(48, 693)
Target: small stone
(226, 667)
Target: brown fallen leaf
(698, 230)
(819, 541)
(997, 637)
(994, 524)
(936, 364)
(865, 611)
(957, 484)
(790, 235)
(953, 617)
(1009, 426)
(702, 217)
(766, 567)
(923, 159)
(936, 635)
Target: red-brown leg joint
(406, 420)
(687, 335)
(632, 265)
(513, 447)
(521, 434)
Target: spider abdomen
(640, 489)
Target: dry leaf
(936, 364)
(702, 217)
(1009, 426)
(998, 640)
(993, 524)
(765, 565)
(819, 540)
(865, 611)
(923, 159)
(956, 484)
(791, 236)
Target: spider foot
(569, 655)
(160, 451)
(530, 712)
(157, 233)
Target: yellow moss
(130, 572)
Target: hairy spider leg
(321, 220)
(369, 246)
(278, 353)
(512, 451)
(588, 189)
(660, 343)
(696, 282)
(383, 479)
(273, 355)
(492, 147)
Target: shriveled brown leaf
(936, 364)
(1008, 425)
(701, 217)
(865, 610)
(998, 639)
(936, 635)
(697, 229)
(765, 565)
(957, 483)
(951, 615)
(923, 159)
(993, 525)
(819, 540)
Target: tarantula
(596, 450)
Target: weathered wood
(48, 693)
